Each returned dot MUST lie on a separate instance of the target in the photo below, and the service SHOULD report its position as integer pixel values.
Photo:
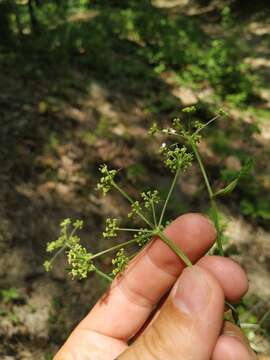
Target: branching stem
(126, 196)
(168, 196)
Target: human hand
(188, 325)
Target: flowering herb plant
(178, 152)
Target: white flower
(163, 145)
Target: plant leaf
(228, 189)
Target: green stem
(215, 217)
(58, 252)
(102, 274)
(168, 196)
(154, 213)
(210, 193)
(234, 311)
(175, 248)
(122, 192)
(206, 124)
(206, 180)
(114, 248)
(133, 230)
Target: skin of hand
(159, 310)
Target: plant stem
(206, 180)
(168, 196)
(102, 274)
(133, 230)
(175, 248)
(122, 192)
(215, 217)
(58, 252)
(206, 124)
(234, 311)
(210, 193)
(114, 248)
(154, 213)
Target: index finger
(132, 297)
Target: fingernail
(192, 291)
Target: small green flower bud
(189, 109)
(80, 261)
(176, 158)
(47, 265)
(106, 180)
(120, 262)
(111, 228)
(150, 198)
(143, 237)
(135, 209)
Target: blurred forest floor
(63, 114)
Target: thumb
(189, 323)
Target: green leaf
(245, 170)
(228, 189)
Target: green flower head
(143, 237)
(80, 261)
(47, 265)
(111, 228)
(135, 209)
(189, 109)
(150, 198)
(120, 262)
(176, 157)
(106, 180)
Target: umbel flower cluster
(178, 150)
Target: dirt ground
(54, 134)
